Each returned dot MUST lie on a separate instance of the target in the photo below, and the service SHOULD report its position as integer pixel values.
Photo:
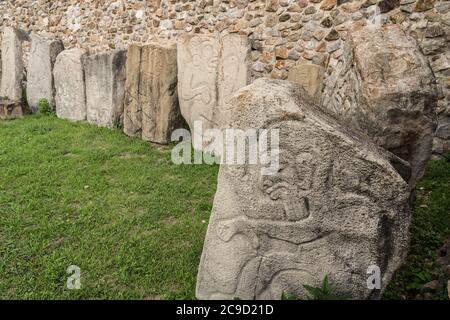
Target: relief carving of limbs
(227, 229)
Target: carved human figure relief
(210, 69)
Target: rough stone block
(386, 89)
(151, 99)
(12, 63)
(310, 76)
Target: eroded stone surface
(40, 83)
(105, 87)
(386, 89)
(151, 104)
(68, 74)
(12, 63)
(210, 69)
(335, 207)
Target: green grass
(71, 193)
(430, 228)
(75, 194)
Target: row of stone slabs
(339, 206)
(148, 89)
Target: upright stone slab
(40, 82)
(385, 88)
(132, 113)
(334, 207)
(68, 74)
(12, 63)
(210, 69)
(151, 103)
(105, 87)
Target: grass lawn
(75, 194)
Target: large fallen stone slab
(105, 87)
(151, 108)
(385, 88)
(10, 110)
(68, 74)
(40, 82)
(335, 206)
(12, 63)
(210, 70)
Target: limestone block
(335, 206)
(12, 63)
(210, 69)
(68, 74)
(310, 76)
(105, 87)
(386, 89)
(40, 82)
(151, 99)
(132, 115)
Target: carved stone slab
(105, 87)
(335, 207)
(385, 88)
(68, 73)
(40, 82)
(210, 69)
(151, 104)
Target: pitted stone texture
(151, 98)
(386, 89)
(70, 87)
(10, 110)
(105, 87)
(210, 70)
(12, 63)
(335, 207)
(40, 82)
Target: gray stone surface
(151, 108)
(105, 87)
(335, 207)
(210, 69)
(41, 60)
(68, 74)
(42, 57)
(385, 88)
(12, 63)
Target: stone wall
(283, 33)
